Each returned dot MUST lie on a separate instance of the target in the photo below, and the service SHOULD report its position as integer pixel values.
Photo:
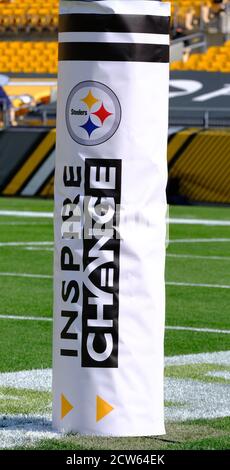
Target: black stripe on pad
(124, 52)
(114, 23)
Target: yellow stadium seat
(217, 58)
(24, 14)
(28, 57)
(41, 57)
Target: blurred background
(199, 121)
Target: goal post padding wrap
(110, 207)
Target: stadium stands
(25, 15)
(182, 6)
(28, 16)
(41, 57)
(191, 14)
(28, 57)
(37, 53)
(216, 59)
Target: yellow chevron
(103, 408)
(31, 164)
(66, 406)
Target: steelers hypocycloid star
(90, 100)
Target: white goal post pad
(110, 209)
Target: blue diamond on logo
(89, 126)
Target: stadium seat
(27, 15)
(181, 6)
(39, 16)
(215, 59)
(41, 57)
(28, 57)
(186, 14)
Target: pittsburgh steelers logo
(93, 113)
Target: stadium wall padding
(198, 160)
(199, 166)
(27, 159)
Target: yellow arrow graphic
(103, 408)
(66, 406)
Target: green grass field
(198, 301)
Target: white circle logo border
(117, 107)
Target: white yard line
(199, 240)
(40, 379)
(33, 248)
(220, 357)
(35, 379)
(199, 330)
(18, 430)
(171, 220)
(32, 276)
(219, 258)
(172, 283)
(27, 223)
(27, 214)
(179, 328)
(208, 222)
(191, 284)
(221, 374)
(22, 318)
(26, 244)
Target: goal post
(110, 217)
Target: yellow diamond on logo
(90, 100)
